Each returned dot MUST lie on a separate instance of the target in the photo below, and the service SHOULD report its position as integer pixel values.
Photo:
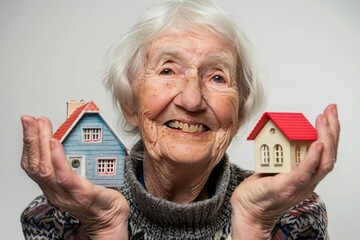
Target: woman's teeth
(186, 127)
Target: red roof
(73, 119)
(294, 126)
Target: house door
(78, 164)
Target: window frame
(81, 169)
(278, 155)
(92, 134)
(298, 155)
(105, 166)
(265, 155)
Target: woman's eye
(218, 79)
(167, 71)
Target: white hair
(185, 13)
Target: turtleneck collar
(204, 217)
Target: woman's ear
(130, 114)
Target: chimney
(72, 105)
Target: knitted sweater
(156, 218)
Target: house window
(106, 166)
(77, 164)
(92, 134)
(265, 156)
(297, 155)
(272, 131)
(278, 155)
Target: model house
(92, 147)
(281, 141)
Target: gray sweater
(156, 218)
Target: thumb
(65, 176)
(304, 173)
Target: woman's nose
(191, 96)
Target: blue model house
(92, 147)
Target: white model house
(281, 141)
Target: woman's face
(187, 98)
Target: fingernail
(334, 110)
(320, 147)
(24, 122)
(52, 144)
(41, 122)
(324, 120)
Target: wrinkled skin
(188, 78)
(187, 111)
(103, 212)
(259, 201)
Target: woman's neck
(176, 182)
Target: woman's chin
(188, 153)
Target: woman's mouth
(187, 127)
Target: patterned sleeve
(306, 220)
(42, 220)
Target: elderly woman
(186, 83)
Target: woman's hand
(260, 200)
(103, 212)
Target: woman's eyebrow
(221, 60)
(165, 53)
(213, 59)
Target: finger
(65, 176)
(54, 192)
(305, 171)
(332, 116)
(328, 155)
(30, 155)
(45, 134)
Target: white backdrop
(55, 51)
